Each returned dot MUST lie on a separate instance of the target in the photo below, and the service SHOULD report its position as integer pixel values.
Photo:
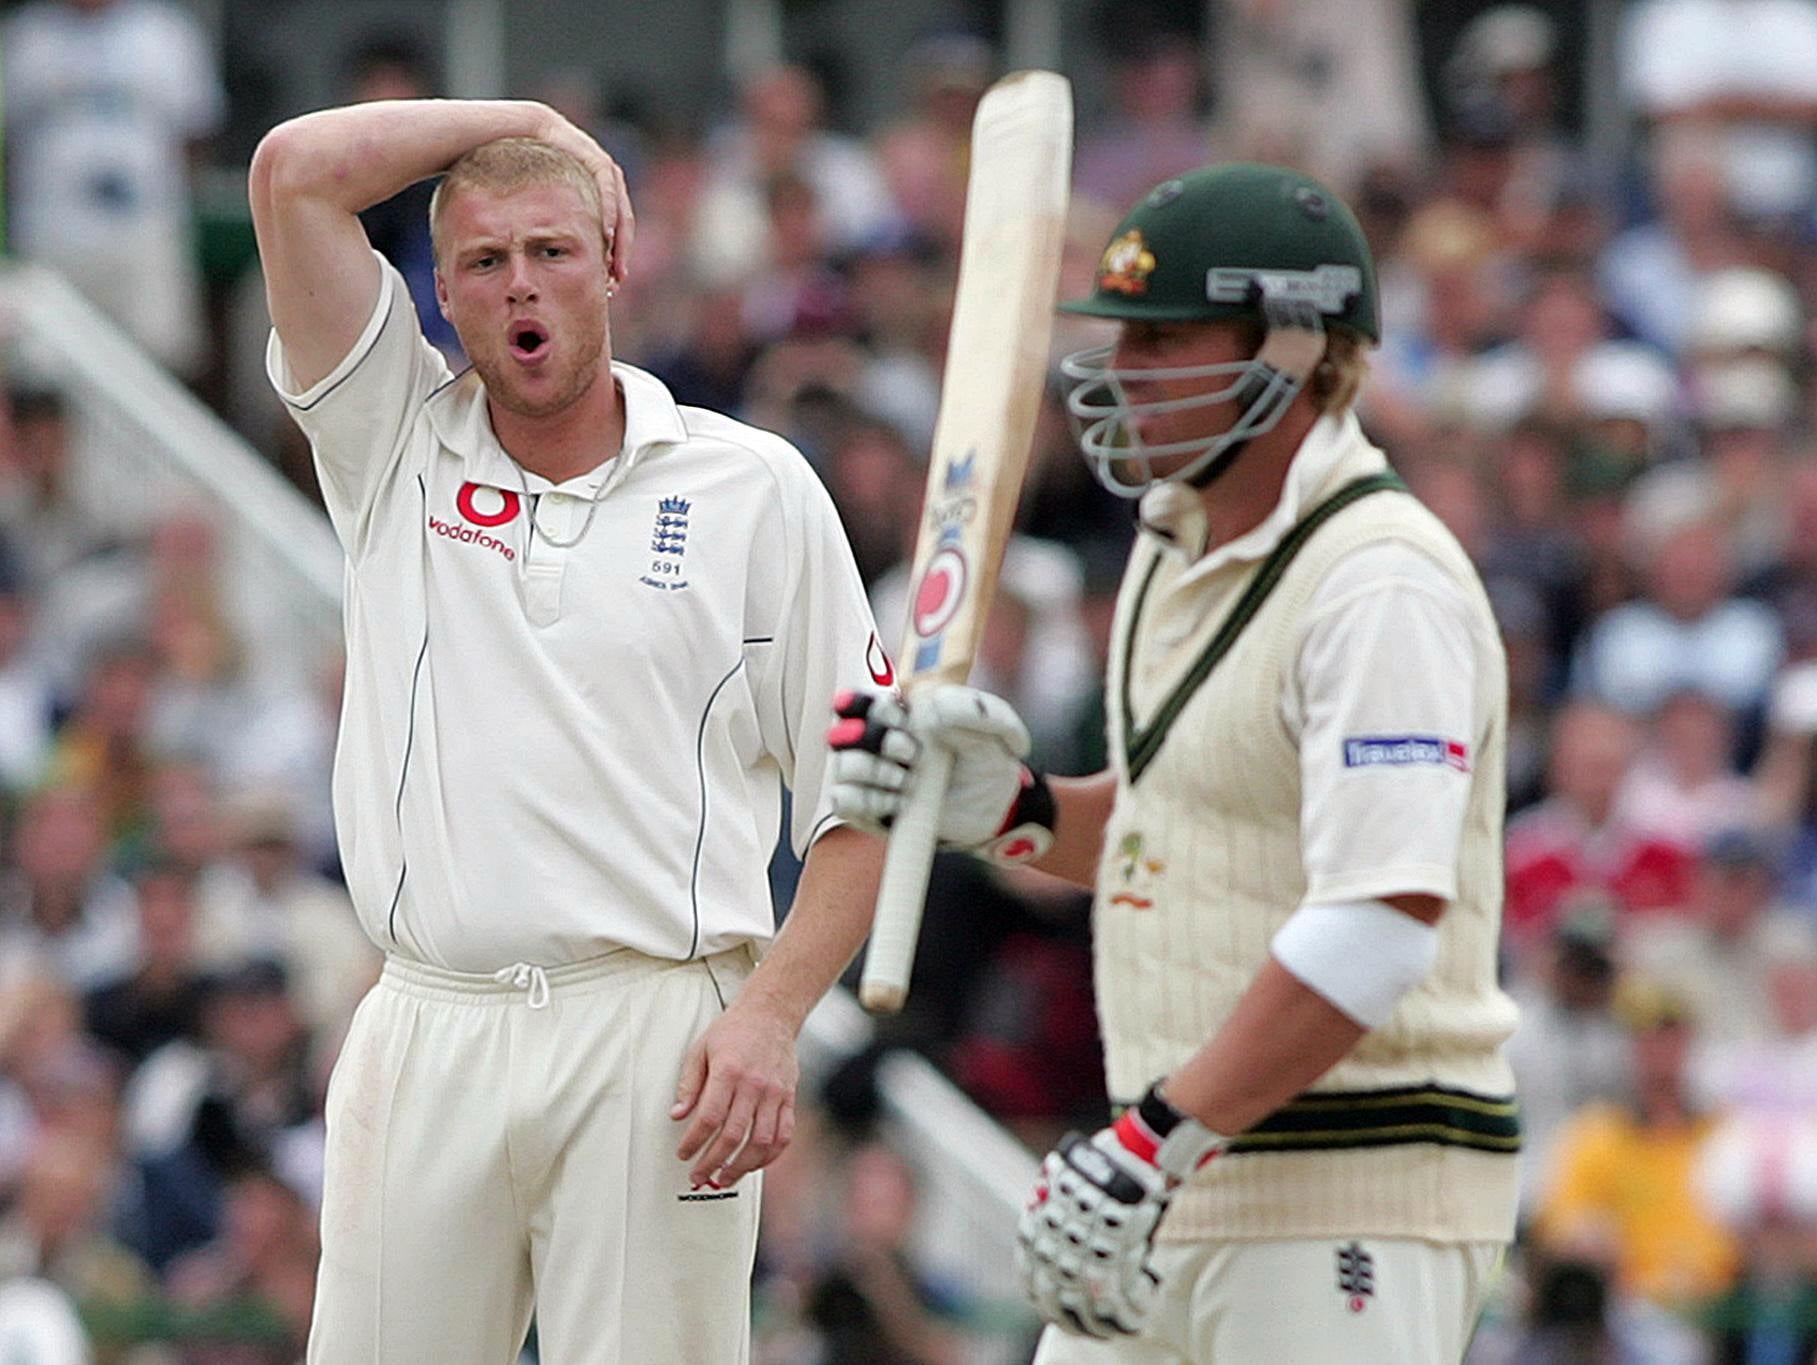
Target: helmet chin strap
(1291, 349)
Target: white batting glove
(996, 805)
(1084, 1242)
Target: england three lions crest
(668, 546)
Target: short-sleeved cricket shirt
(559, 742)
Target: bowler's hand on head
(617, 220)
(738, 1082)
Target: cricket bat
(996, 365)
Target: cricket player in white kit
(1296, 852)
(590, 635)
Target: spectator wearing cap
(266, 903)
(1621, 1189)
(1742, 316)
(1560, 324)
(1717, 954)
(1569, 1050)
(1742, 414)
(1574, 840)
(872, 475)
(198, 1115)
(1747, 68)
(161, 999)
(901, 316)
(1625, 397)
(1445, 285)
(1651, 273)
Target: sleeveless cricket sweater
(1414, 1133)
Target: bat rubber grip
(903, 890)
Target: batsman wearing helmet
(1296, 850)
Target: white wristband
(1362, 956)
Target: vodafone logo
(883, 673)
(473, 495)
(942, 591)
(468, 536)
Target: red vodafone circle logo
(942, 590)
(467, 503)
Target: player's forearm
(825, 927)
(362, 154)
(1081, 810)
(1281, 1038)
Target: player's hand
(738, 1082)
(1084, 1242)
(616, 217)
(995, 804)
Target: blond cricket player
(1296, 851)
(591, 633)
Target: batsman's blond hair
(507, 165)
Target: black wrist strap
(1154, 1110)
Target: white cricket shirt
(1381, 701)
(551, 751)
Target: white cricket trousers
(497, 1146)
(1364, 1301)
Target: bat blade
(996, 361)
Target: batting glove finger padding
(1084, 1242)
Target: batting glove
(996, 805)
(1085, 1240)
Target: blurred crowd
(1598, 370)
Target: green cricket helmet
(1239, 242)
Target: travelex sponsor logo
(468, 535)
(1397, 751)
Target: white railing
(145, 446)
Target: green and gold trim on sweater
(1333, 1120)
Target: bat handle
(903, 890)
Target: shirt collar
(1182, 519)
(458, 416)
